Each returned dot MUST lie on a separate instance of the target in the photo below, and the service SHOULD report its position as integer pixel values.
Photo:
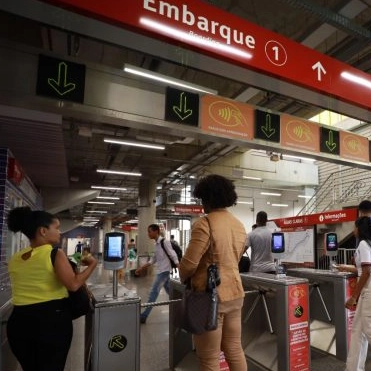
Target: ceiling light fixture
(133, 143)
(298, 158)
(245, 202)
(118, 172)
(108, 198)
(305, 196)
(109, 188)
(280, 205)
(251, 177)
(101, 203)
(167, 79)
(356, 79)
(270, 194)
(97, 211)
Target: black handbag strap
(211, 248)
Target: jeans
(162, 280)
(227, 337)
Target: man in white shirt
(259, 239)
(163, 267)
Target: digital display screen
(331, 242)
(278, 243)
(114, 247)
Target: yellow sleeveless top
(34, 280)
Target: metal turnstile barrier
(112, 332)
(330, 321)
(275, 322)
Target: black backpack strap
(53, 254)
(173, 265)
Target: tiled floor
(154, 337)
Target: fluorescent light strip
(101, 203)
(97, 211)
(270, 194)
(251, 177)
(109, 188)
(245, 202)
(108, 198)
(134, 144)
(118, 172)
(194, 39)
(299, 158)
(305, 196)
(356, 79)
(166, 79)
(280, 205)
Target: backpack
(173, 265)
(177, 250)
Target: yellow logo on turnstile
(298, 311)
(117, 343)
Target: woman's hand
(351, 303)
(88, 260)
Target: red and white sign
(223, 35)
(189, 209)
(223, 363)
(298, 318)
(15, 171)
(327, 217)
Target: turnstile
(330, 321)
(275, 325)
(275, 322)
(115, 330)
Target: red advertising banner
(354, 147)
(189, 209)
(226, 117)
(327, 217)
(299, 332)
(212, 31)
(299, 134)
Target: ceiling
(67, 154)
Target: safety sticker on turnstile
(299, 327)
(117, 343)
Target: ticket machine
(114, 255)
(331, 248)
(278, 251)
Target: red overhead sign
(327, 217)
(223, 35)
(189, 209)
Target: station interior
(68, 152)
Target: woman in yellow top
(40, 327)
(229, 235)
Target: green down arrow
(181, 110)
(330, 144)
(60, 85)
(267, 128)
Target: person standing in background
(163, 267)
(229, 235)
(260, 240)
(40, 328)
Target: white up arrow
(320, 70)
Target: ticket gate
(275, 327)
(330, 321)
(113, 331)
(275, 322)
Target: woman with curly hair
(229, 236)
(40, 327)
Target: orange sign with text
(225, 117)
(354, 147)
(299, 134)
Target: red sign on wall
(225, 36)
(327, 217)
(189, 209)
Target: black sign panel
(329, 141)
(182, 106)
(61, 79)
(267, 126)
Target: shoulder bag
(81, 301)
(200, 308)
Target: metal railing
(345, 186)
